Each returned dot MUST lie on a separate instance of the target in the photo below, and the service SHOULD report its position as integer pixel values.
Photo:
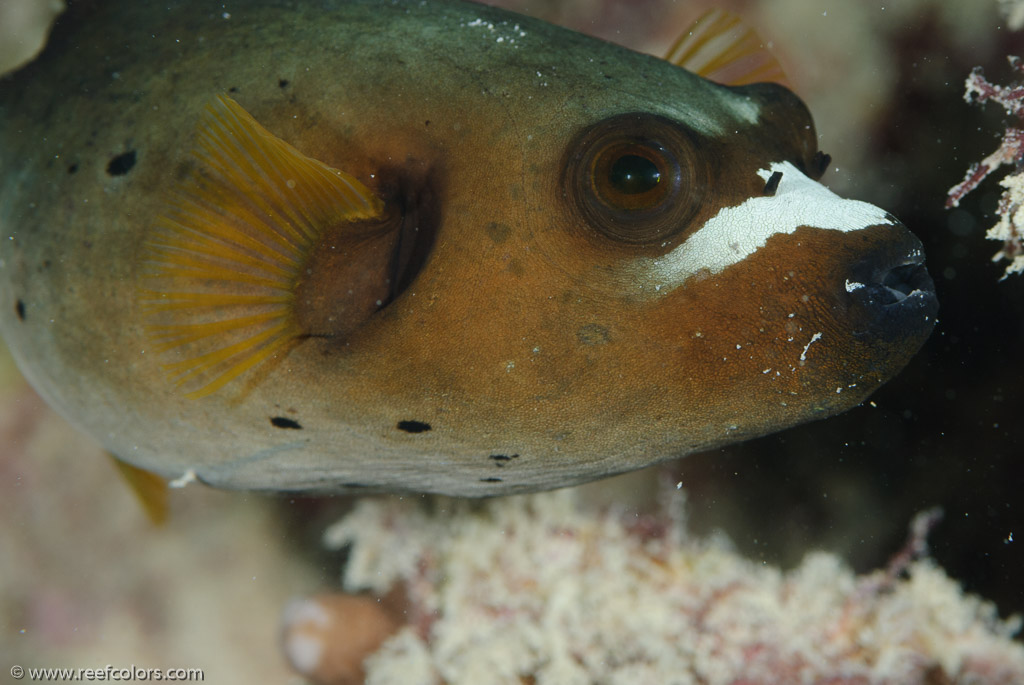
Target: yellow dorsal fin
(721, 48)
(225, 258)
(150, 488)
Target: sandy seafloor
(85, 580)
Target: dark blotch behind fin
(284, 422)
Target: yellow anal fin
(720, 47)
(225, 258)
(150, 489)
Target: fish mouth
(905, 280)
(893, 287)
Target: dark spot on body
(282, 83)
(492, 479)
(233, 89)
(284, 422)
(121, 164)
(501, 459)
(73, 168)
(413, 426)
(427, 122)
(19, 308)
(498, 232)
(593, 334)
(773, 184)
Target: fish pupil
(634, 175)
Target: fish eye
(636, 178)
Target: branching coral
(1010, 228)
(544, 589)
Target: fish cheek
(767, 342)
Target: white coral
(542, 589)
(1010, 229)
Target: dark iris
(633, 175)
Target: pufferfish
(426, 246)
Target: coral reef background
(544, 589)
(85, 581)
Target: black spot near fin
(413, 426)
(121, 164)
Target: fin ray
(720, 47)
(224, 259)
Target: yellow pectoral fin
(150, 489)
(720, 47)
(227, 255)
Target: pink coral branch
(1010, 151)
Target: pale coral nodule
(327, 637)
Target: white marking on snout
(737, 232)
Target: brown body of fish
(513, 316)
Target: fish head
(727, 291)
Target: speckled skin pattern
(528, 352)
